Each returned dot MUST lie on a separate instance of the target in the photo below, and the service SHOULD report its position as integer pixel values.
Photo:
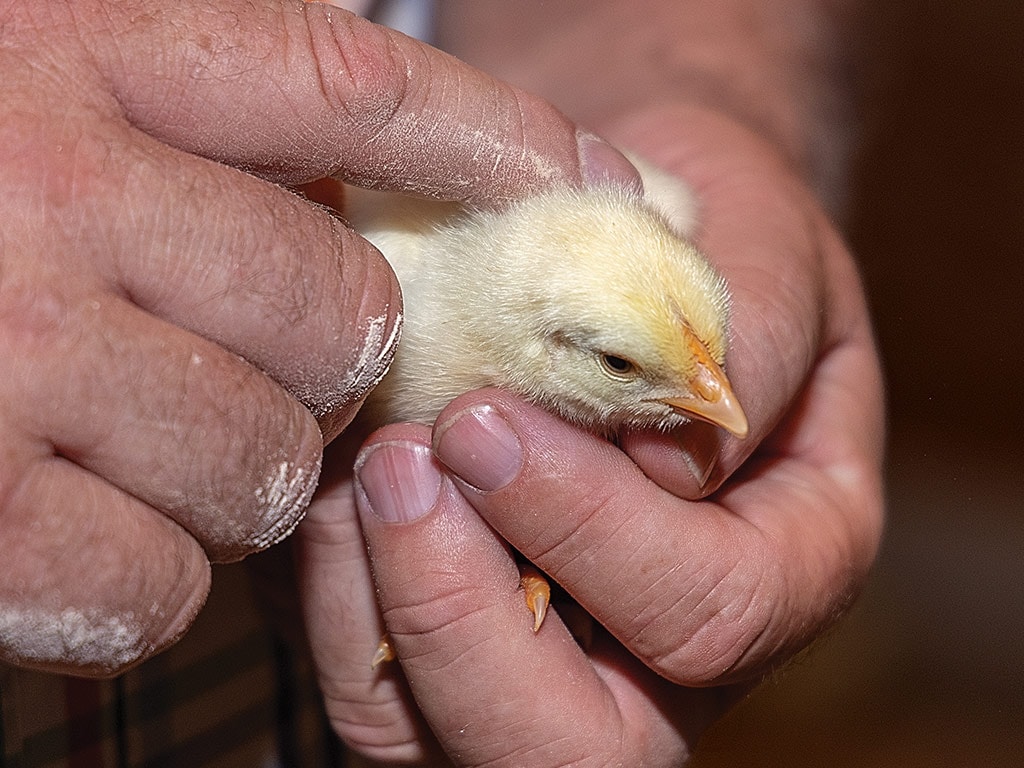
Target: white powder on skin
(284, 496)
(362, 373)
(375, 357)
(540, 165)
(513, 165)
(81, 638)
(283, 499)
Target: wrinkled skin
(172, 315)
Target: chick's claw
(384, 653)
(538, 598)
(538, 593)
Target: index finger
(296, 91)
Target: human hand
(702, 592)
(170, 316)
(744, 549)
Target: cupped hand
(179, 331)
(707, 559)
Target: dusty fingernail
(398, 482)
(700, 444)
(602, 164)
(480, 447)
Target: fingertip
(167, 620)
(601, 164)
(684, 462)
(365, 307)
(478, 445)
(91, 640)
(284, 495)
(396, 481)
(96, 581)
(188, 596)
(279, 473)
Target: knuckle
(362, 72)
(34, 313)
(715, 629)
(436, 612)
(375, 724)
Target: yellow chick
(590, 303)
(586, 302)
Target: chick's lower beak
(710, 397)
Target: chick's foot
(537, 591)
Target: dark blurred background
(929, 668)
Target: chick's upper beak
(710, 396)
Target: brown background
(929, 668)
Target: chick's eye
(617, 366)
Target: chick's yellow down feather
(588, 302)
(591, 303)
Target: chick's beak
(710, 396)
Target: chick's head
(615, 320)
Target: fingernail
(601, 164)
(480, 447)
(397, 482)
(700, 444)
